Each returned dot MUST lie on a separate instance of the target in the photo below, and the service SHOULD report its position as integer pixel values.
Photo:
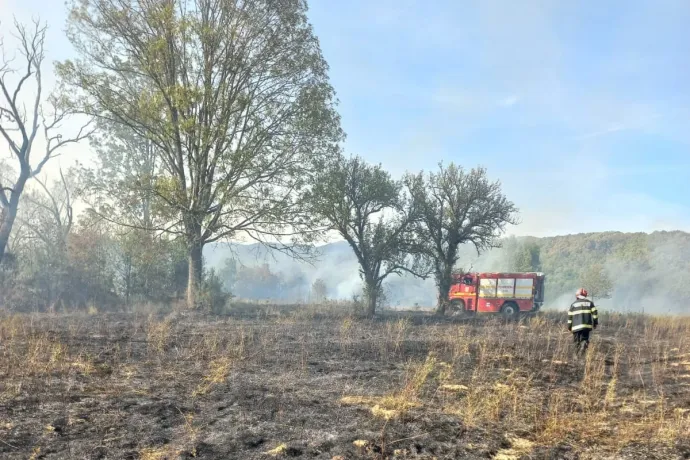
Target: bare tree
(50, 212)
(47, 218)
(457, 207)
(366, 207)
(233, 95)
(19, 126)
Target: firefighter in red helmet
(583, 317)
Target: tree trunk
(195, 270)
(443, 282)
(9, 214)
(371, 291)
(6, 221)
(128, 281)
(372, 300)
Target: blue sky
(579, 108)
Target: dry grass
(312, 382)
(512, 375)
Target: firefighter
(582, 318)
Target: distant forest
(648, 272)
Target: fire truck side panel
(487, 288)
(524, 305)
(495, 289)
(524, 288)
(459, 292)
(486, 305)
(506, 288)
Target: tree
(19, 128)
(366, 207)
(146, 266)
(597, 282)
(119, 190)
(92, 255)
(48, 217)
(121, 186)
(526, 258)
(234, 98)
(228, 274)
(40, 276)
(319, 290)
(457, 207)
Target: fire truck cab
(508, 294)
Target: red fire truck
(509, 294)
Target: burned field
(278, 383)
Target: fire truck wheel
(510, 311)
(456, 308)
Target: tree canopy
(369, 210)
(232, 97)
(457, 207)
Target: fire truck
(508, 294)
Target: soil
(273, 384)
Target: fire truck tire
(510, 311)
(456, 308)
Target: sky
(578, 108)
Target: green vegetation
(369, 210)
(638, 265)
(230, 101)
(457, 207)
(597, 282)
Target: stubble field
(307, 382)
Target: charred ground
(310, 383)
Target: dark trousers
(581, 339)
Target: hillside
(648, 271)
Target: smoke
(649, 273)
(559, 303)
(659, 283)
(336, 266)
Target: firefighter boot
(576, 346)
(582, 347)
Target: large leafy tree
(233, 96)
(121, 187)
(369, 210)
(457, 207)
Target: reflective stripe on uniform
(579, 312)
(581, 326)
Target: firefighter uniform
(582, 318)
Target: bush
(213, 297)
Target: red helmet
(581, 292)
